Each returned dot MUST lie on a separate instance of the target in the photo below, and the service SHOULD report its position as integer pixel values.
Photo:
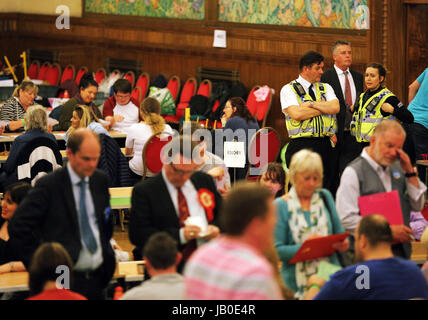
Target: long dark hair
(241, 109)
(86, 81)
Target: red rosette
(206, 199)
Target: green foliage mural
(343, 14)
(178, 9)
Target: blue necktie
(85, 228)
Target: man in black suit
(347, 85)
(71, 206)
(164, 202)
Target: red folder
(386, 204)
(318, 247)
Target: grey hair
(340, 43)
(304, 161)
(36, 118)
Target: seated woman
(15, 107)
(238, 118)
(36, 126)
(139, 133)
(43, 274)
(88, 88)
(306, 212)
(274, 179)
(83, 117)
(13, 196)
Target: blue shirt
(86, 261)
(419, 105)
(387, 279)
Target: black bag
(199, 105)
(160, 81)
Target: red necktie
(348, 94)
(183, 214)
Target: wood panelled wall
(263, 54)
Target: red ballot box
(318, 247)
(386, 204)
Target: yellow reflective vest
(324, 125)
(367, 117)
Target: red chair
(130, 76)
(33, 70)
(188, 92)
(425, 212)
(263, 148)
(80, 74)
(205, 88)
(68, 73)
(136, 94)
(41, 75)
(174, 86)
(100, 75)
(143, 83)
(53, 74)
(259, 109)
(152, 152)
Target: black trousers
(416, 145)
(89, 284)
(323, 147)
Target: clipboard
(386, 204)
(318, 247)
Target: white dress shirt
(86, 261)
(349, 191)
(341, 76)
(289, 98)
(192, 199)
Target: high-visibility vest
(367, 117)
(324, 125)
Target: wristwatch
(410, 174)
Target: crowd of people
(202, 236)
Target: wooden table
(120, 198)
(18, 281)
(419, 253)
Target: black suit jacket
(153, 210)
(330, 77)
(48, 214)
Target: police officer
(376, 104)
(310, 109)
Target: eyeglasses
(181, 172)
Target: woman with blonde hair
(139, 134)
(16, 106)
(83, 117)
(306, 212)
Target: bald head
(83, 151)
(389, 126)
(376, 229)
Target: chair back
(143, 83)
(263, 148)
(53, 74)
(205, 88)
(152, 152)
(80, 74)
(33, 70)
(189, 90)
(136, 94)
(130, 76)
(174, 86)
(259, 109)
(100, 75)
(37, 159)
(68, 73)
(41, 75)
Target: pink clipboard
(386, 204)
(318, 247)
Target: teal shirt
(284, 242)
(418, 106)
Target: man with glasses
(121, 110)
(179, 200)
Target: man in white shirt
(310, 108)
(382, 167)
(347, 85)
(121, 110)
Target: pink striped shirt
(227, 269)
